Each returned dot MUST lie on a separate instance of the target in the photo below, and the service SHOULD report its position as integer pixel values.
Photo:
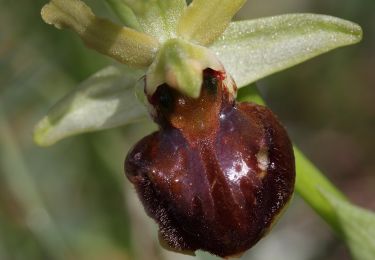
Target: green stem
(310, 181)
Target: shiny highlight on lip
(216, 174)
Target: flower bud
(217, 173)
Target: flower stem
(310, 181)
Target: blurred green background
(72, 201)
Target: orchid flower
(172, 42)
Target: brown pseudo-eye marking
(216, 174)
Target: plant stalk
(310, 181)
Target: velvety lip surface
(216, 174)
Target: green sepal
(105, 100)
(251, 50)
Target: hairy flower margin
(172, 42)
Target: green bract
(172, 42)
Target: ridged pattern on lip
(206, 190)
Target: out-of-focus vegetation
(72, 201)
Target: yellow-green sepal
(124, 44)
(157, 18)
(205, 20)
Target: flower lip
(216, 174)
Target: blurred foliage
(72, 201)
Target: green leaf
(103, 101)
(357, 226)
(205, 20)
(124, 44)
(157, 17)
(180, 64)
(251, 50)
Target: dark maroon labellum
(216, 174)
